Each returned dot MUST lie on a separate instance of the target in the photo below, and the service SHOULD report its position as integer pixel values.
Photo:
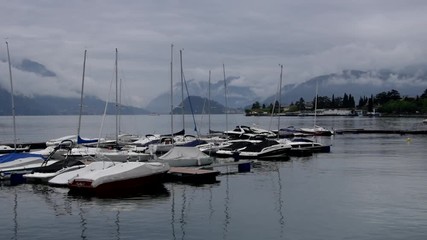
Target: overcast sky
(309, 37)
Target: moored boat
(305, 146)
(317, 130)
(119, 178)
(245, 132)
(44, 177)
(185, 157)
(9, 149)
(62, 179)
(265, 149)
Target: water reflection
(182, 220)
(128, 202)
(280, 202)
(173, 212)
(117, 222)
(226, 208)
(83, 222)
(54, 197)
(15, 216)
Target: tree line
(390, 102)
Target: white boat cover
(123, 171)
(185, 157)
(63, 178)
(46, 176)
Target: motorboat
(56, 141)
(119, 178)
(110, 154)
(265, 149)
(42, 160)
(146, 140)
(232, 148)
(9, 149)
(305, 146)
(245, 132)
(21, 163)
(317, 131)
(44, 177)
(167, 143)
(185, 157)
(13, 160)
(62, 179)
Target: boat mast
(280, 97)
(117, 102)
(81, 95)
(171, 100)
(12, 98)
(120, 105)
(182, 91)
(226, 101)
(315, 105)
(209, 103)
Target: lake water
(370, 186)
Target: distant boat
(425, 121)
(9, 149)
(245, 132)
(304, 146)
(266, 149)
(109, 154)
(317, 130)
(229, 148)
(262, 149)
(119, 178)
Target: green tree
(256, 105)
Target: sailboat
(114, 154)
(14, 160)
(167, 142)
(180, 152)
(316, 130)
(298, 146)
(15, 148)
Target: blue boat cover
(82, 141)
(13, 156)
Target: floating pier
(379, 131)
(192, 175)
(205, 174)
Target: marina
(367, 185)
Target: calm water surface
(369, 187)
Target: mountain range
(410, 81)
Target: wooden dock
(379, 131)
(206, 174)
(192, 175)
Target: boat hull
(141, 184)
(307, 151)
(279, 154)
(120, 178)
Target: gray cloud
(250, 37)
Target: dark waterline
(370, 186)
